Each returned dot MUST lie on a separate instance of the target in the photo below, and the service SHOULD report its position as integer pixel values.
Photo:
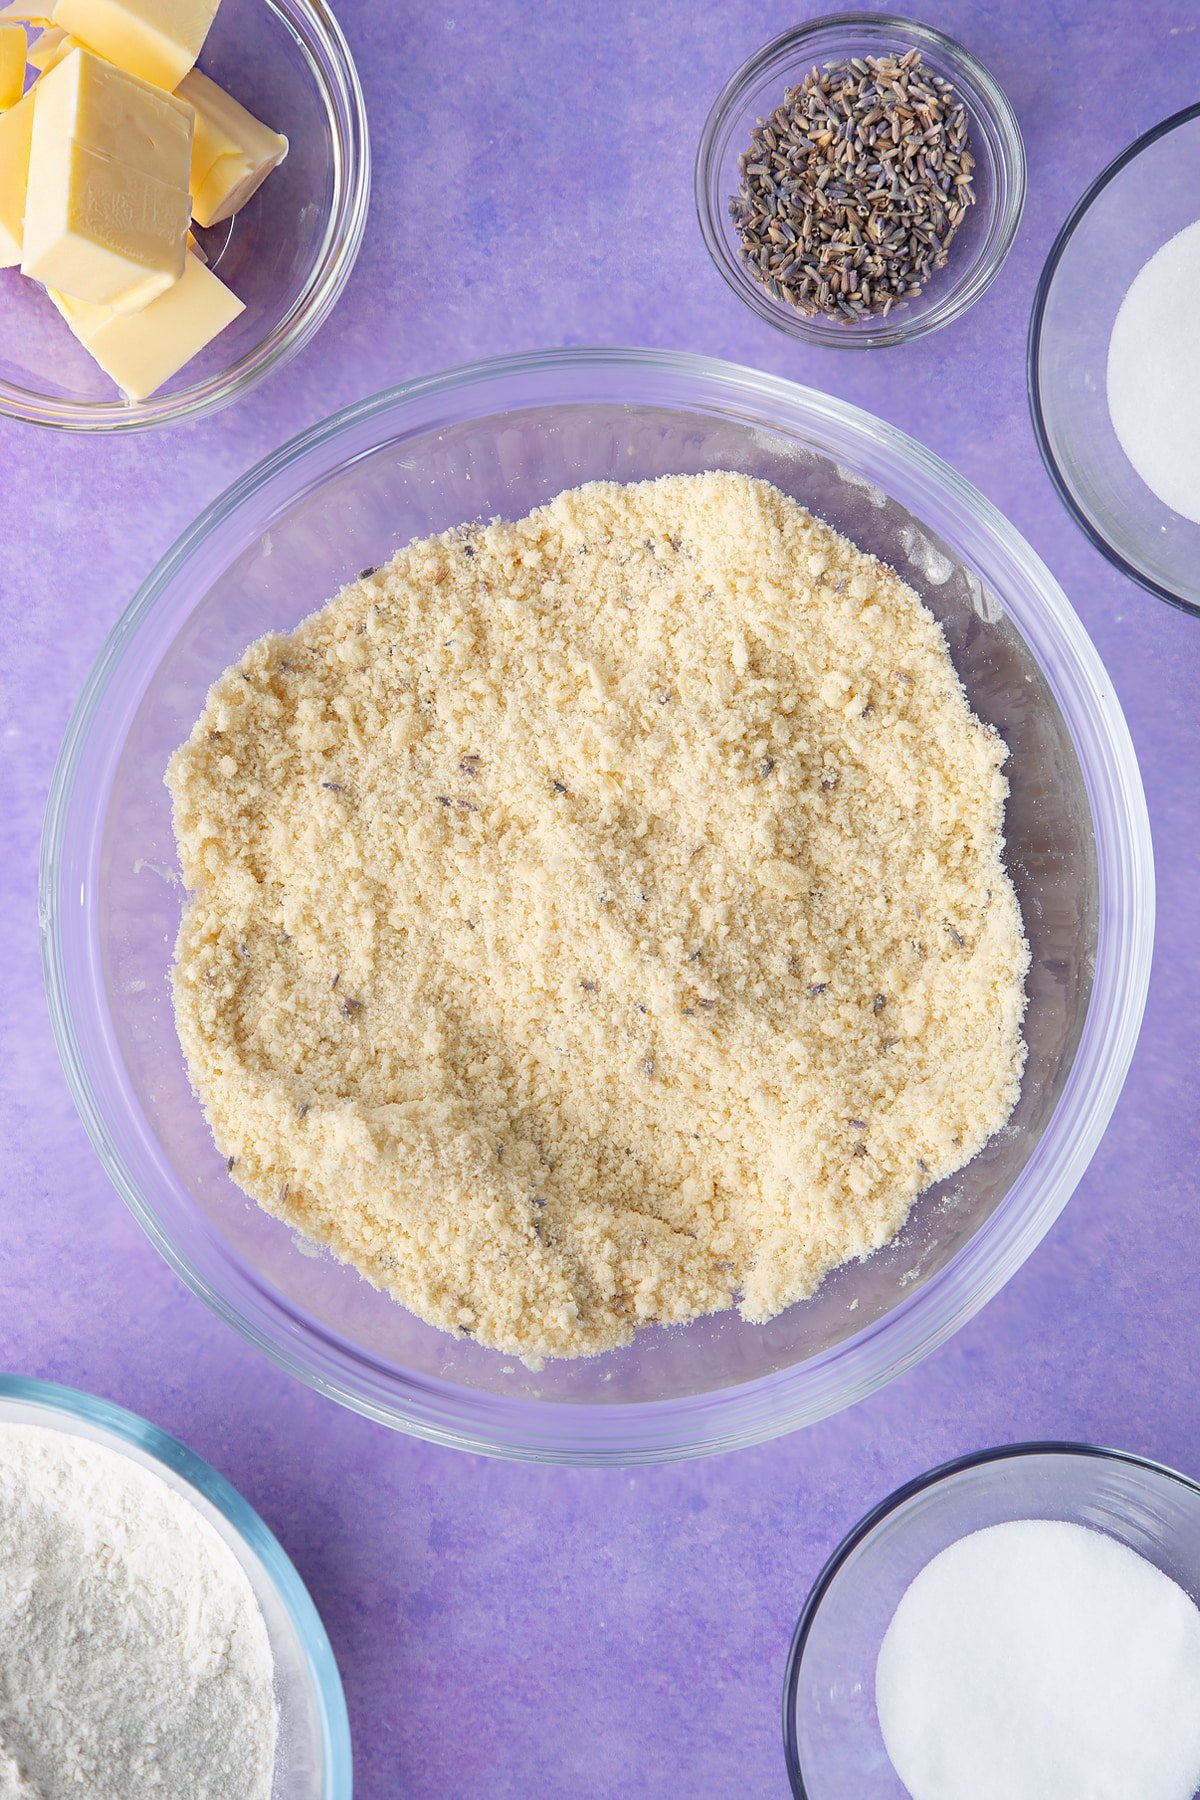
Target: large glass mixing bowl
(499, 438)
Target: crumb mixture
(600, 919)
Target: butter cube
(16, 14)
(108, 230)
(232, 151)
(142, 352)
(114, 113)
(49, 48)
(156, 39)
(107, 209)
(16, 129)
(12, 65)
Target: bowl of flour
(154, 1637)
(663, 916)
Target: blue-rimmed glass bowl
(312, 1758)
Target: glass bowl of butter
(183, 192)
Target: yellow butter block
(107, 209)
(232, 151)
(16, 130)
(12, 65)
(108, 229)
(70, 309)
(110, 111)
(156, 39)
(17, 14)
(49, 48)
(143, 352)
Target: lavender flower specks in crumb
(853, 188)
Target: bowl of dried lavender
(860, 180)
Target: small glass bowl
(983, 238)
(287, 255)
(313, 1758)
(831, 1734)
(1141, 200)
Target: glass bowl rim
(744, 1412)
(898, 1498)
(345, 109)
(958, 297)
(1033, 380)
(127, 1428)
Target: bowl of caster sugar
(1114, 362)
(1021, 1622)
(154, 1637)
(229, 141)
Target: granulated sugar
(1154, 374)
(1040, 1660)
(134, 1659)
(600, 918)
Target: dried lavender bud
(853, 188)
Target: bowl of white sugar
(1114, 361)
(1023, 1621)
(154, 1637)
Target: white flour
(134, 1659)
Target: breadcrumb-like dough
(600, 918)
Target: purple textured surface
(512, 1631)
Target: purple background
(513, 1631)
